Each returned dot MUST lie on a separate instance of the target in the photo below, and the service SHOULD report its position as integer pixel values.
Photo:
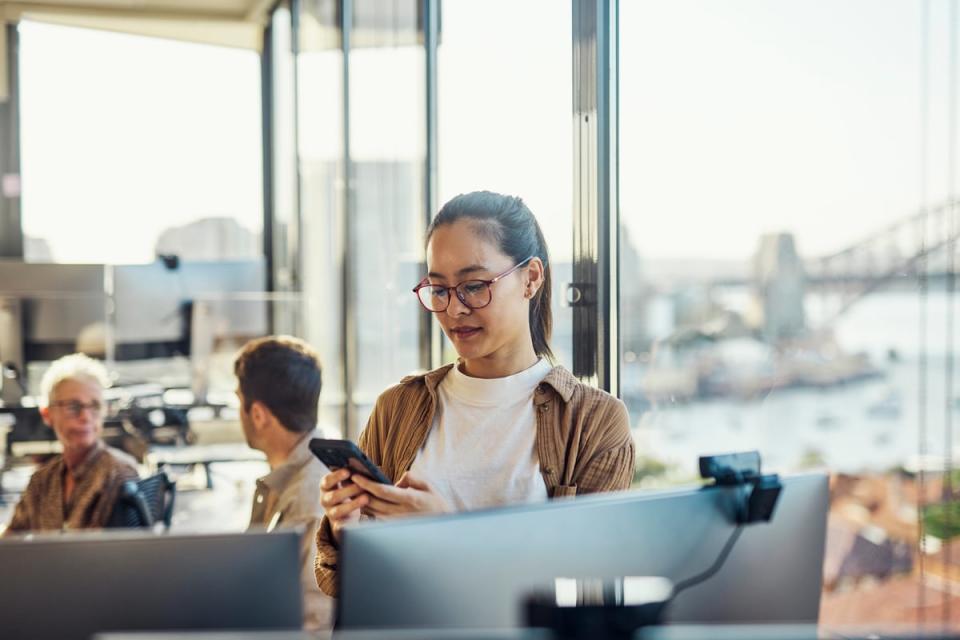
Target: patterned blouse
(98, 481)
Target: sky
(750, 116)
(737, 118)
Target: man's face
(76, 414)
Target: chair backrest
(142, 504)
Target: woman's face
(76, 414)
(500, 330)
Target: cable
(718, 563)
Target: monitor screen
(75, 585)
(476, 569)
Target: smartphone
(340, 454)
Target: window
(505, 122)
(388, 153)
(771, 176)
(372, 198)
(129, 149)
(320, 147)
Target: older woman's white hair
(76, 366)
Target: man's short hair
(283, 373)
(76, 366)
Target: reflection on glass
(320, 147)
(388, 154)
(178, 328)
(770, 163)
(169, 340)
(379, 195)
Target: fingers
(413, 481)
(332, 479)
(411, 495)
(347, 508)
(381, 508)
(380, 490)
(341, 499)
(332, 498)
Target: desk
(675, 632)
(377, 634)
(204, 455)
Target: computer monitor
(74, 585)
(475, 569)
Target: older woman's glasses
(75, 408)
(474, 294)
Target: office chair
(142, 504)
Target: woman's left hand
(411, 495)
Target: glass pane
(169, 340)
(505, 121)
(285, 221)
(771, 175)
(127, 138)
(387, 149)
(320, 142)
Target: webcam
(742, 469)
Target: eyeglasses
(74, 408)
(474, 294)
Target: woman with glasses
(79, 488)
(501, 426)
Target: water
(872, 425)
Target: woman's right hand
(341, 499)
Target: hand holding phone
(344, 454)
(411, 495)
(342, 501)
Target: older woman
(78, 489)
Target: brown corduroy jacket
(99, 479)
(583, 442)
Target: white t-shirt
(481, 448)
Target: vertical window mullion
(594, 292)
(11, 233)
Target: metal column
(431, 346)
(11, 232)
(347, 224)
(595, 292)
(267, 133)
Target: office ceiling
(232, 23)
(225, 23)
(223, 9)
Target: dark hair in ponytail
(508, 222)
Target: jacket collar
(88, 462)
(561, 380)
(300, 456)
